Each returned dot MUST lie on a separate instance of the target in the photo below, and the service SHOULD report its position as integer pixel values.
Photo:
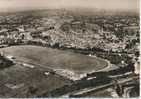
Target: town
(108, 38)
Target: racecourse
(56, 59)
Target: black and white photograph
(70, 49)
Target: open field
(19, 81)
(56, 59)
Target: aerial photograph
(69, 49)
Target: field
(19, 81)
(56, 59)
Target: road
(86, 91)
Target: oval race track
(56, 59)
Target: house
(137, 67)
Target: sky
(126, 5)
